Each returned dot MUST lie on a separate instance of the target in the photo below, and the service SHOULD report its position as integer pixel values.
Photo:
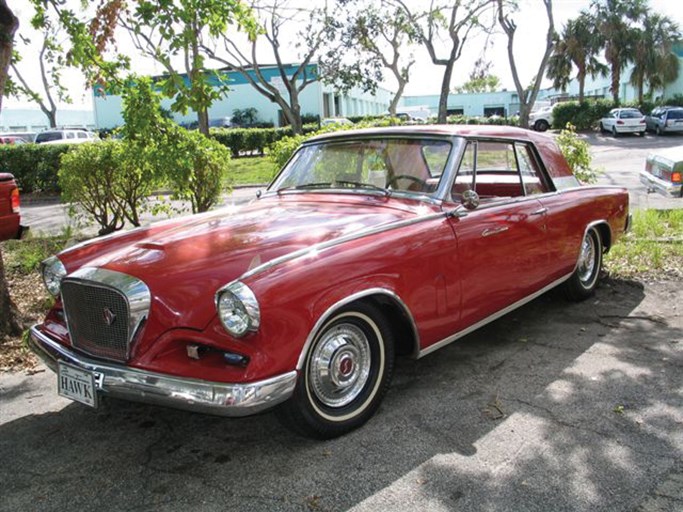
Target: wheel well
(605, 233)
(405, 341)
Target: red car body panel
(10, 218)
(304, 254)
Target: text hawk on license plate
(76, 384)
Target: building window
(494, 111)
(455, 112)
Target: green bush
(35, 166)
(88, 177)
(587, 115)
(248, 141)
(493, 120)
(577, 154)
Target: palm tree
(654, 60)
(577, 46)
(615, 21)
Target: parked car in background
(663, 172)
(11, 140)
(25, 136)
(331, 121)
(623, 120)
(65, 136)
(542, 119)
(222, 122)
(367, 244)
(10, 216)
(665, 120)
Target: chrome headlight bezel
(238, 310)
(53, 271)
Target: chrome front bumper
(666, 188)
(223, 399)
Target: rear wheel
(541, 125)
(345, 375)
(584, 280)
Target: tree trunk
(581, 76)
(203, 121)
(397, 97)
(8, 26)
(445, 91)
(52, 119)
(616, 82)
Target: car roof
(462, 130)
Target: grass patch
(653, 248)
(250, 171)
(23, 257)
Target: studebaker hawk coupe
(368, 244)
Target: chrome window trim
(348, 300)
(456, 141)
(495, 316)
(135, 291)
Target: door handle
(540, 211)
(494, 231)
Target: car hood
(184, 262)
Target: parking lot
(557, 406)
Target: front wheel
(541, 125)
(347, 371)
(614, 131)
(584, 280)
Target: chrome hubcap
(340, 365)
(587, 259)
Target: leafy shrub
(35, 166)
(493, 120)
(577, 154)
(88, 176)
(195, 166)
(587, 115)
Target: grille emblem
(109, 316)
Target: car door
(501, 247)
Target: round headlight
(53, 272)
(238, 309)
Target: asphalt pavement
(555, 407)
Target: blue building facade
(317, 99)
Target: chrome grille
(98, 319)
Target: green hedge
(493, 120)
(35, 166)
(587, 115)
(253, 140)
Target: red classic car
(368, 244)
(10, 219)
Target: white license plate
(76, 384)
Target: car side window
(82, 135)
(498, 169)
(532, 177)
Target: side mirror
(470, 199)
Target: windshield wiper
(320, 184)
(369, 186)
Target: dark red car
(368, 244)
(10, 218)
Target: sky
(425, 77)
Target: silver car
(665, 120)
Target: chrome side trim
(220, 398)
(317, 248)
(489, 319)
(348, 300)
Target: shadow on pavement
(572, 405)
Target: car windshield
(630, 114)
(377, 165)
